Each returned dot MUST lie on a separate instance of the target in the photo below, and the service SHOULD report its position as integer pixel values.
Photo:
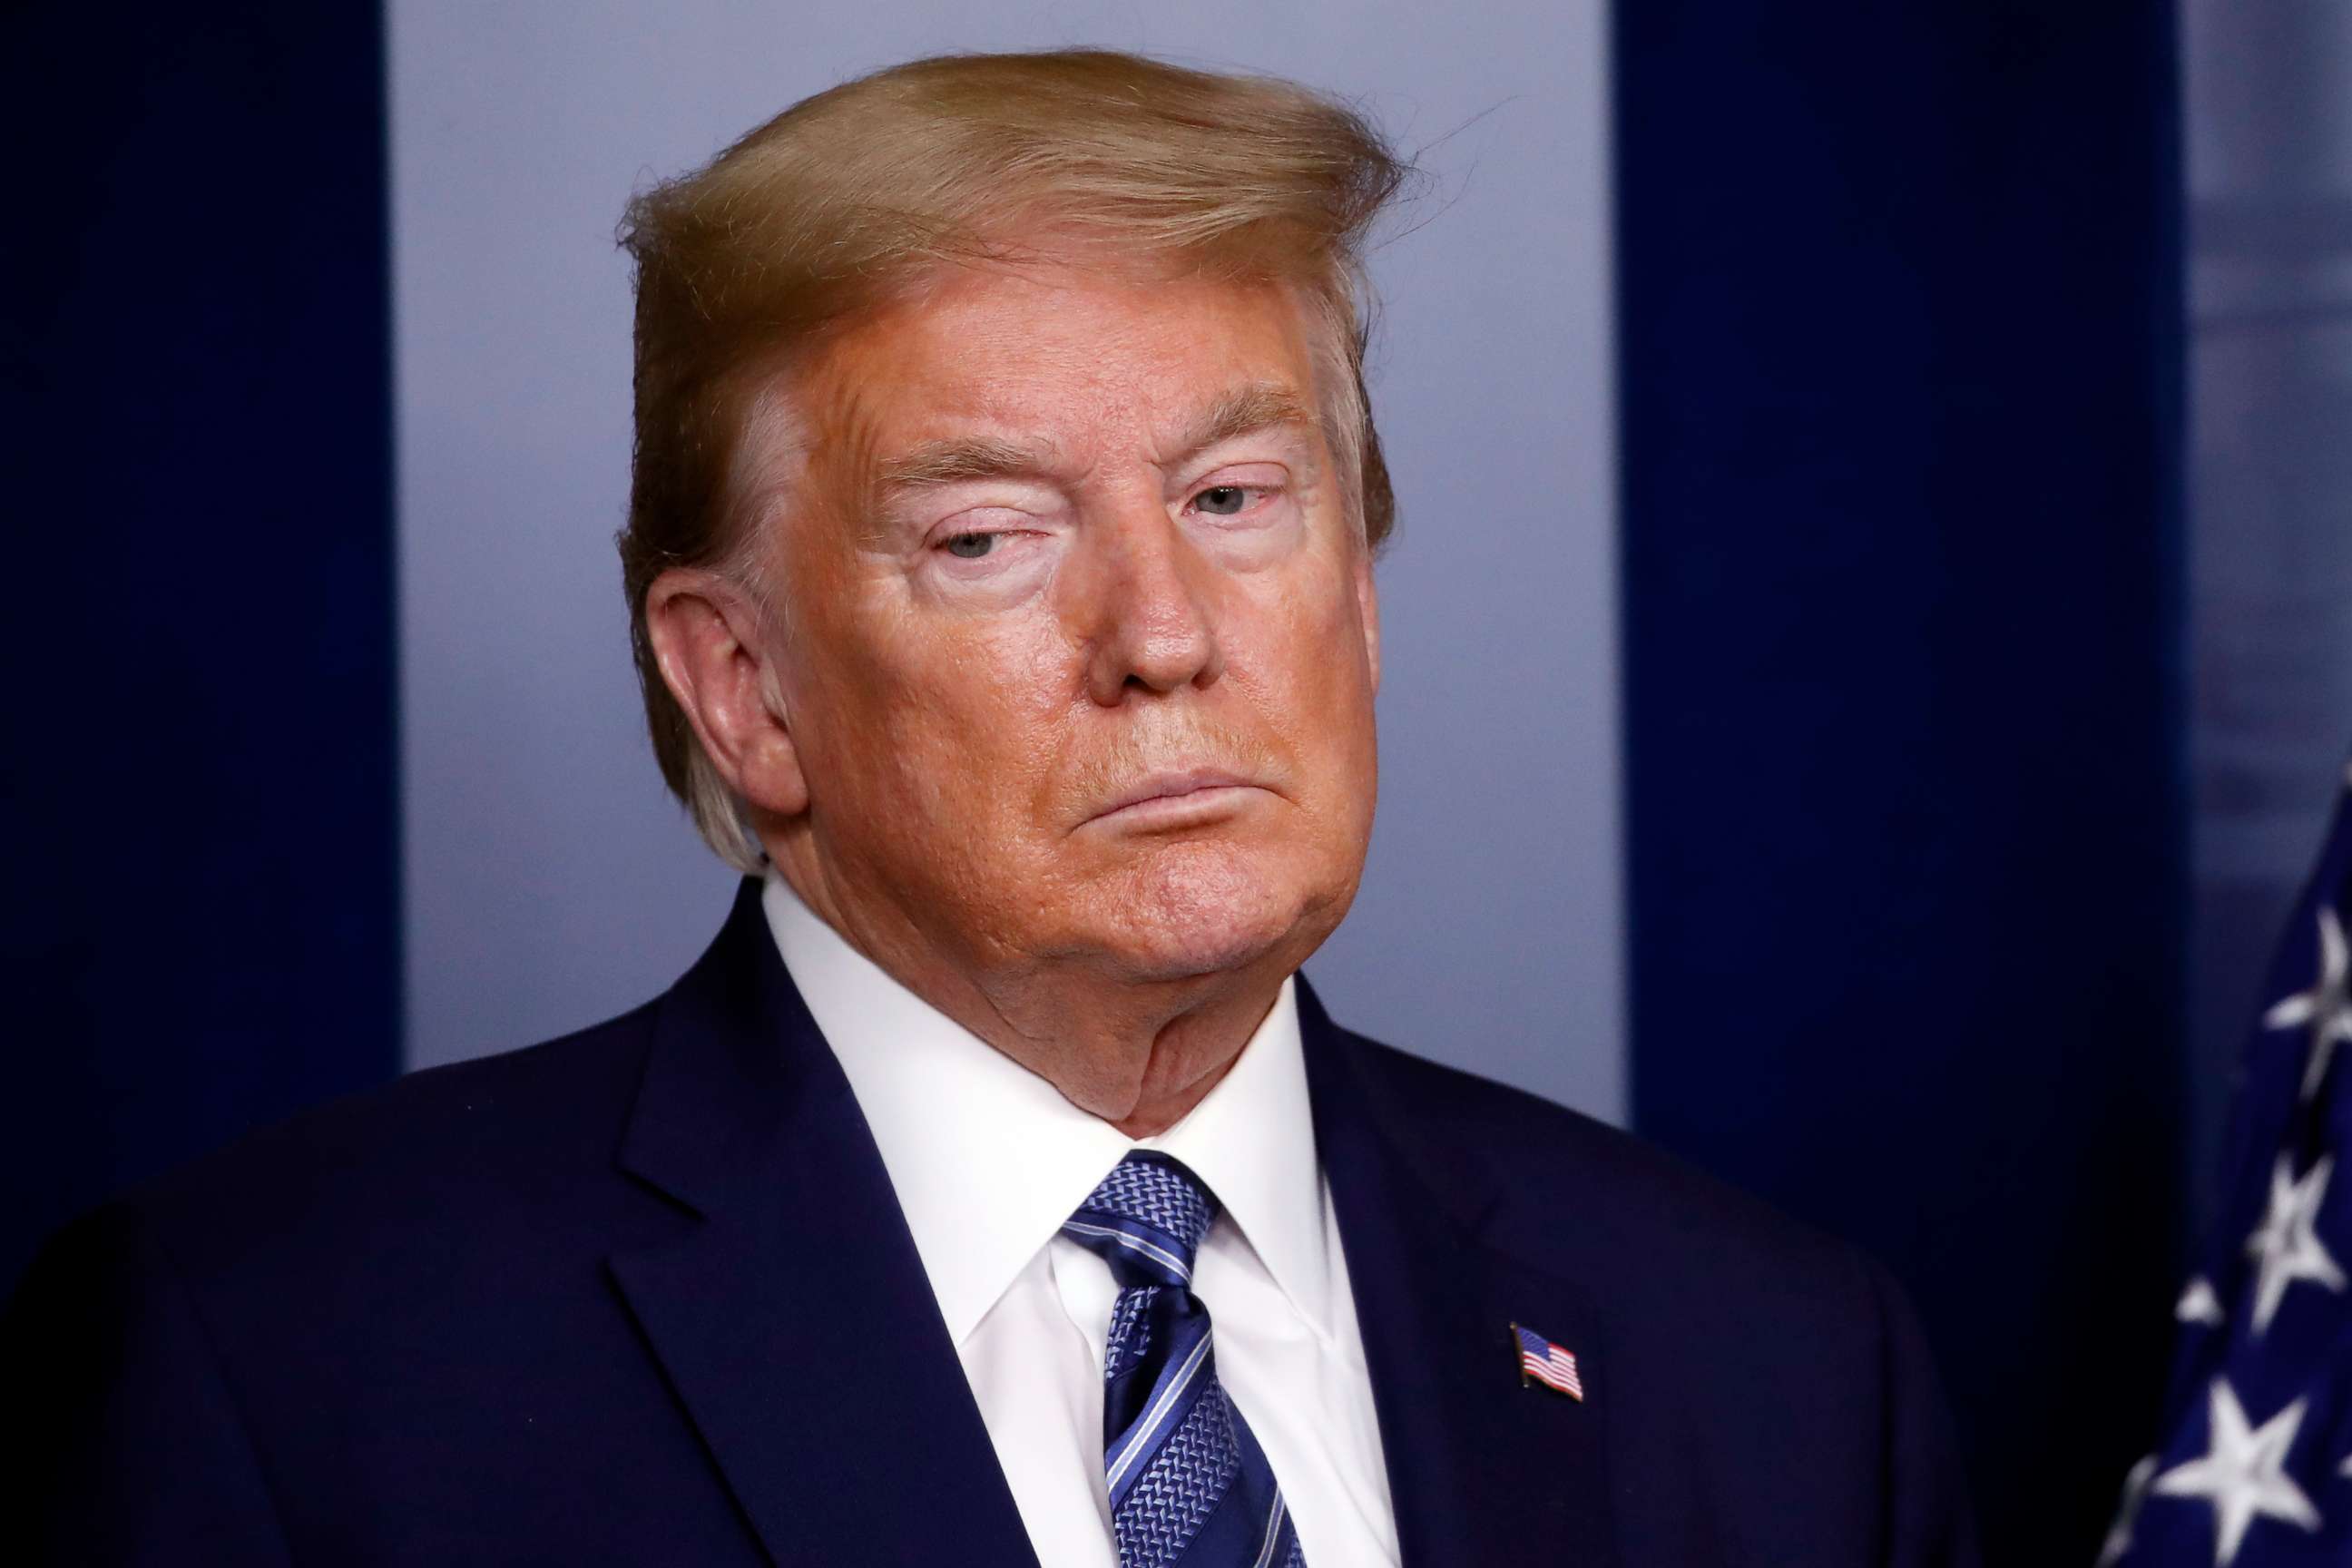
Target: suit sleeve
(119, 1440)
(1927, 1521)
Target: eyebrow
(1244, 412)
(959, 459)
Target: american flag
(1552, 1365)
(2252, 1467)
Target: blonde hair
(855, 194)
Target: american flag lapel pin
(1540, 1361)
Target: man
(992, 1191)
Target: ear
(1367, 611)
(718, 661)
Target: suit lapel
(1480, 1468)
(800, 1332)
(796, 1321)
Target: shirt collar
(988, 1159)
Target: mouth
(1176, 799)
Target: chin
(1198, 910)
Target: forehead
(1062, 355)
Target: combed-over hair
(860, 192)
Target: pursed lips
(1172, 787)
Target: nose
(1147, 610)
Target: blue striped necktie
(1189, 1484)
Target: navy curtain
(1901, 369)
(202, 913)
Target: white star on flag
(2327, 1006)
(2285, 1244)
(2242, 1473)
(2199, 1304)
(2120, 1534)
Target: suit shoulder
(496, 1134)
(1574, 1186)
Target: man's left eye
(1223, 501)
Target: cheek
(962, 726)
(1309, 651)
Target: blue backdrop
(202, 916)
(1900, 305)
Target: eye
(970, 546)
(1223, 501)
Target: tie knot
(1146, 1220)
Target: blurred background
(1869, 649)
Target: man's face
(1081, 643)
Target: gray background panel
(549, 881)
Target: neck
(1139, 1054)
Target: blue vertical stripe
(1901, 359)
(201, 900)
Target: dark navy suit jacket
(643, 1295)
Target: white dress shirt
(988, 1160)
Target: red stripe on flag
(1556, 1370)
